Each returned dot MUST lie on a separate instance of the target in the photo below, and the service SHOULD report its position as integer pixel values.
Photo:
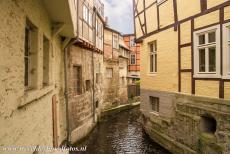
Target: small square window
(154, 102)
(109, 73)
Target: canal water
(121, 134)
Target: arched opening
(208, 124)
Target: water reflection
(121, 134)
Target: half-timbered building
(84, 69)
(185, 87)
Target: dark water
(121, 134)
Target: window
(226, 51)
(154, 102)
(87, 85)
(90, 19)
(109, 73)
(207, 52)
(77, 79)
(153, 57)
(115, 41)
(46, 48)
(30, 56)
(133, 59)
(26, 57)
(132, 43)
(85, 13)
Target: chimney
(106, 21)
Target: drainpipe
(66, 95)
(94, 108)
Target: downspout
(94, 108)
(66, 95)
(66, 78)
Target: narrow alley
(121, 133)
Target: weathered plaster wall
(31, 124)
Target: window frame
(32, 57)
(226, 51)
(155, 103)
(206, 46)
(154, 54)
(115, 45)
(85, 13)
(27, 57)
(132, 42)
(107, 75)
(90, 18)
(46, 79)
(131, 59)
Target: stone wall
(111, 85)
(81, 105)
(26, 116)
(188, 129)
(123, 81)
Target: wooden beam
(57, 28)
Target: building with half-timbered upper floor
(134, 59)
(185, 88)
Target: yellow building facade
(186, 52)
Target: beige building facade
(185, 79)
(33, 35)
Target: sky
(120, 15)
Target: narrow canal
(121, 134)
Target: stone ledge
(202, 99)
(34, 95)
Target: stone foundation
(186, 123)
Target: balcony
(65, 21)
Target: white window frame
(226, 51)
(90, 19)
(85, 13)
(196, 48)
(152, 53)
(134, 59)
(115, 41)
